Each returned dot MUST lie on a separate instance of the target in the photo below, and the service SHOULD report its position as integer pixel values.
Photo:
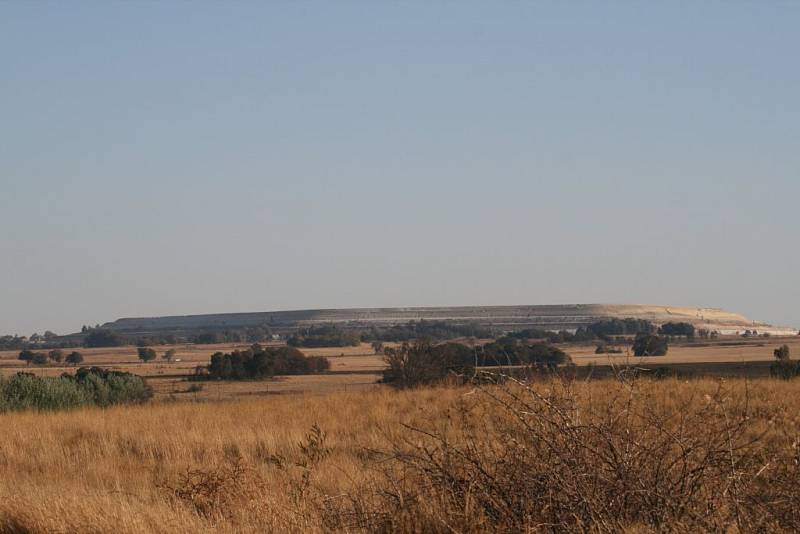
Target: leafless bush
(518, 457)
(210, 491)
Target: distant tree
(208, 338)
(423, 329)
(170, 355)
(783, 366)
(513, 351)
(74, 358)
(324, 336)
(782, 353)
(677, 329)
(57, 355)
(602, 348)
(39, 358)
(261, 362)
(49, 336)
(621, 327)
(377, 346)
(26, 356)
(425, 363)
(103, 338)
(146, 354)
(14, 342)
(649, 345)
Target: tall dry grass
(597, 456)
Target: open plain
(359, 367)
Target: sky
(162, 158)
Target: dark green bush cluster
(649, 345)
(602, 348)
(598, 330)
(262, 362)
(617, 327)
(146, 354)
(324, 336)
(89, 387)
(677, 329)
(250, 334)
(104, 338)
(435, 330)
(56, 356)
(783, 366)
(106, 387)
(511, 351)
(422, 363)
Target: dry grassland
(351, 368)
(734, 350)
(358, 367)
(252, 466)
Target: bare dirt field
(359, 367)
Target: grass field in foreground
(252, 467)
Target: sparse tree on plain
(649, 345)
(146, 354)
(74, 358)
(169, 355)
(26, 356)
(782, 353)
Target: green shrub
(783, 366)
(785, 369)
(425, 363)
(324, 336)
(512, 351)
(262, 362)
(677, 329)
(146, 354)
(649, 345)
(782, 353)
(26, 391)
(97, 387)
(74, 358)
(103, 338)
(108, 387)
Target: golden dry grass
(96, 470)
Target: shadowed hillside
(550, 317)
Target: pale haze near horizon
(160, 159)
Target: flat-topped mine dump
(549, 317)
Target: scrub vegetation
(553, 454)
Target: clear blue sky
(186, 157)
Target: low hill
(550, 317)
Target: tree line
(55, 356)
(260, 362)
